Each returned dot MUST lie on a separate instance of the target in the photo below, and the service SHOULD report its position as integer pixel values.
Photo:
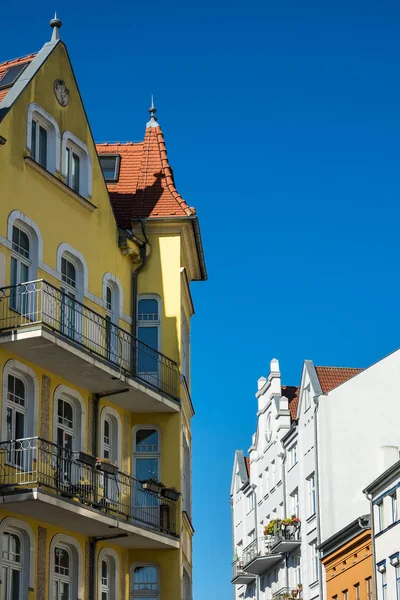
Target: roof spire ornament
(55, 24)
(152, 122)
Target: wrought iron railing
(287, 533)
(78, 476)
(238, 568)
(287, 593)
(259, 547)
(39, 302)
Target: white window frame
(65, 541)
(27, 375)
(393, 498)
(268, 427)
(64, 250)
(312, 495)
(27, 537)
(111, 557)
(149, 323)
(85, 167)
(37, 113)
(114, 418)
(307, 397)
(380, 509)
(314, 561)
(137, 455)
(293, 456)
(63, 392)
(143, 594)
(295, 508)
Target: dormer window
(11, 75)
(110, 166)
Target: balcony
(286, 593)
(287, 538)
(75, 491)
(239, 576)
(260, 555)
(43, 325)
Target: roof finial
(55, 24)
(152, 122)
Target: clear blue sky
(282, 123)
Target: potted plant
(106, 466)
(270, 529)
(152, 485)
(170, 493)
(86, 459)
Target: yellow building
(95, 310)
(347, 559)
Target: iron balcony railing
(237, 568)
(287, 533)
(80, 477)
(39, 302)
(287, 593)
(258, 547)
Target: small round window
(268, 432)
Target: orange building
(347, 558)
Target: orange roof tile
(11, 63)
(331, 377)
(146, 186)
(291, 392)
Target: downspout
(375, 583)
(316, 402)
(285, 513)
(143, 256)
(255, 528)
(233, 542)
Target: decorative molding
(22, 370)
(16, 215)
(67, 392)
(10, 522)
(126, 443)
(123, 570)
(110, 553)
(108, 411)
(66, 540)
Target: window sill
(60, 184)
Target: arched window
(145, 582)
(73, 283)
(110, 442)
(77, 164)
(69, 419)
(17, 556)
(112, 302)
(43, 138)
(18, 411)
(65, 568)
(108, 575)
(149, 332)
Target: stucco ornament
(61, 92)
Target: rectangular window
(39, 143)
(398, 582)
(384, 585)
(72, 169)
(252, 535)
(110, 166)
(314, 561)
(312, 494)
(292, 456)
(250, 502)
(297, 569)
(357, 591)
(345, 595)
(394, 507)
(307, 397)
(380, 515)
(368, 588)
(295, 502)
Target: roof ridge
(347, 368)
(119, 143)
(18, 58)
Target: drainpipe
(316, 402)
(143, 256)
(255, 528)
(283, 455)
(375, 583)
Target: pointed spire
(55, 24)
(152, 122)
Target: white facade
(323, 455)
(384, 496)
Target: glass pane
(149, 335)
(145, 578)
(75, 172)
(24, 276)
(147, 440)
(19, 390)
(61, 561)
(67, 163)
(65, 590)
(68, 272)
(19, 426)
(109, 298)
(104, 572)
(107, 164)
(56, 590)
(42, 146)
(15, 585)
(9, 424)
(33, 142)
(147, 468)
(104, 595)
(148, 309)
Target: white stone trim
(65, 248)
(63, 391)
(65, 540)
(18, 524)
(16, 215)
(54, 139)
(107, 277)
(86, 167)
(108, 411)
(14, 367)
(104, 553)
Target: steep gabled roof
(5, 66)
(291, 392)
(331, 377)
(146, 186)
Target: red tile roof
(11, 63)
(146, 186)
(247, 463)
(291, 392)
(331, 377)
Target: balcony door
(70, 310)
(66, 443)
(146, 460)
(148, 333)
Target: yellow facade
(64, 351)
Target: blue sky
(282, 122)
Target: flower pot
(151, 486)
(108, 468)
(170, 493)
(86, 459)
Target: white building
(384, 496)
(312, 455)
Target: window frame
(393, 498)
(75, 551)
(24, 531)
(137, 455)
(312, 497)
(156, 322)
(116, 167)
(69, 140)
(37, 113)
(143, 594)
(314, 561)
(381, 515)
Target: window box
(171, 494)
(151, 485)
(106, 466)
(86, 459)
